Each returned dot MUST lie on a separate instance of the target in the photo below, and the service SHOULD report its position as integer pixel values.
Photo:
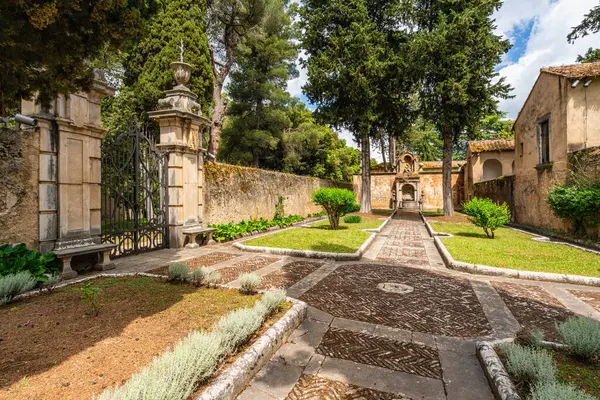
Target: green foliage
(18, 258)
(558, 391)
(582, 337)
(579, 204)
(14, 284)
(352, 208)
(279, 208)
(59, 38)
(589, 25)
(273, 299)
(90, 296)
(530, 365)
(213, 278)
(178, 272)
(591, 55)
(424, 141)
(496, 126)
(352, 219)
(335, 201)
(198, 276)
(231, 230)
(487, 215)
(51, 282)
(249, 283)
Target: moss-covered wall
(233, 193)
(19, 166)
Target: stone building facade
(560, 117)
(488, 160)
(415, 185)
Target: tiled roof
(438, 164)
(481, 146)
(575, 71)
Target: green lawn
(515, 250)
(319, 237)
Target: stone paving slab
(533, 307)
(589, 297)
(250, 265)
(439, 304)
(382, 352)
(311, 387)
(289, 274)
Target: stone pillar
(181, 124)
(69, 175)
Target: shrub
(352, 208)
(51, 282)
(14, 284)
(582, 336)
(198, 276)
(90, 295)
(352, 219)
(212, 278)
(558, 391)
(18, 258)
(279, 209)
(249, 283)
(273, 299)
(487, 214)
(178, 272)
(579, 204)
(532, 365)
(335, 201)
(175, 374)
(231, 231)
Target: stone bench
(66, 255)
(192, 233)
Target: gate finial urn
(181, 72)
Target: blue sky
(538, 30)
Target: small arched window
(492, 169)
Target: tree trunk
(217, 118)
(447, 173)
(392, 150)
(365, 198)
(382, 143)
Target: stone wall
(382, 186)
(500, 190)
(19, 165)
(234, 193)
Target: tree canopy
(47, 46)
(591, 55)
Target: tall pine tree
(457, 50)
(257, 112)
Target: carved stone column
(181, 123)
(69, 176)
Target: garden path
(395, 325)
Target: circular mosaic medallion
(398, 288)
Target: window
(544, 141)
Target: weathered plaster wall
(234, 193)
(532, 184)
(381, 189)
(19, 166)
(474, 168)
(583, 116)
(430, 184)
(500, 190)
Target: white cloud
(547, 45)
(294, 86)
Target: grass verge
(515, 250)
(319, 237)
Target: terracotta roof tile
(575, 71)
(438, 164)
(481, 146)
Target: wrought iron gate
(134, 193)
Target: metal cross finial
(181, 50)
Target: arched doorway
(492, 169)
(408, 193)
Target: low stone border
(357, 255)
(511, 273)
(232, 381)
(558, 239)
(494, 370)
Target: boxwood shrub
(18, 258)
(579, 204)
